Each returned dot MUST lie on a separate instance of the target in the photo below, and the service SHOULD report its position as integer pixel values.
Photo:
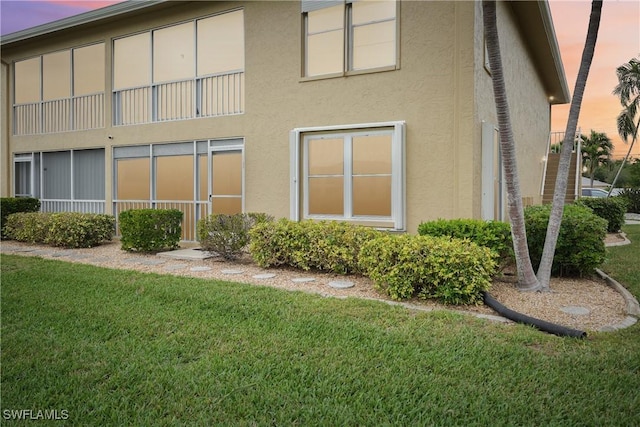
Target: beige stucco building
(376, 112)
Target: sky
(618, 42)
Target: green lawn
(115, 347)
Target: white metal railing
(59, 115)
(64, 205)
(210, 96)
(192, 212)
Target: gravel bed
(605, 305)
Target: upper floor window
(60, 91)
(342, 36)
(187, 70)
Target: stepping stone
(78, 256)
(303, 279)
(152, 262)
(99, 259)
(200, 268)
(131, 260)
(23, 249)
(264, 276)
(232, 271)
(174, 267)
(579, 311)
(341, 284)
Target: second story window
(183, 71)
(60, 91)
(343, 36)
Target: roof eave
(547, 21)
(81, 19)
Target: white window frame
(348, 30)
(299, 202)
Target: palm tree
(628, 89)
(557, 206)
(596, 151)
(527, 280)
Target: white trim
(398, 174)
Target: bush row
(323, 245)
(612, 209)
(150, 230)
(632, 196)
(11, 205)
(495, 235)
(65, 229)
(580, 247)
(451, 270)
(228, 235)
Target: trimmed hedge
(612, 209)
(150, 230)
(495, 235)
(228, 235)
(580, 247)
(11, 205)
(323, 245)
(451, 270)
(632, 196)
(65, 229)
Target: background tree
(628, 89)
(596, 151)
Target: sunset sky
(618, 42)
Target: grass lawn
(113, 347)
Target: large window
(365, 29)
(60, 91)
(353, 173)
(183, 71)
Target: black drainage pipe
(542, 325)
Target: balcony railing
(65, 205)
(59, 115)
(210, 96)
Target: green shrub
(580, 247)
(612, 209)
(323, 245)
(30, 227)
(79, 230)
(150, 230)
(11, 205)
(495, 235)
(632, 196)
(228, 235)
(453, 271)
(66, 229)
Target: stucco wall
(528, 103)
(432, 91)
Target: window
(365, 30)
(183, 71)
(60, 91)
(353, 173)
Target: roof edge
(83, 18)
(547, 21)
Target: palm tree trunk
(557, 207)
(526, 276)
